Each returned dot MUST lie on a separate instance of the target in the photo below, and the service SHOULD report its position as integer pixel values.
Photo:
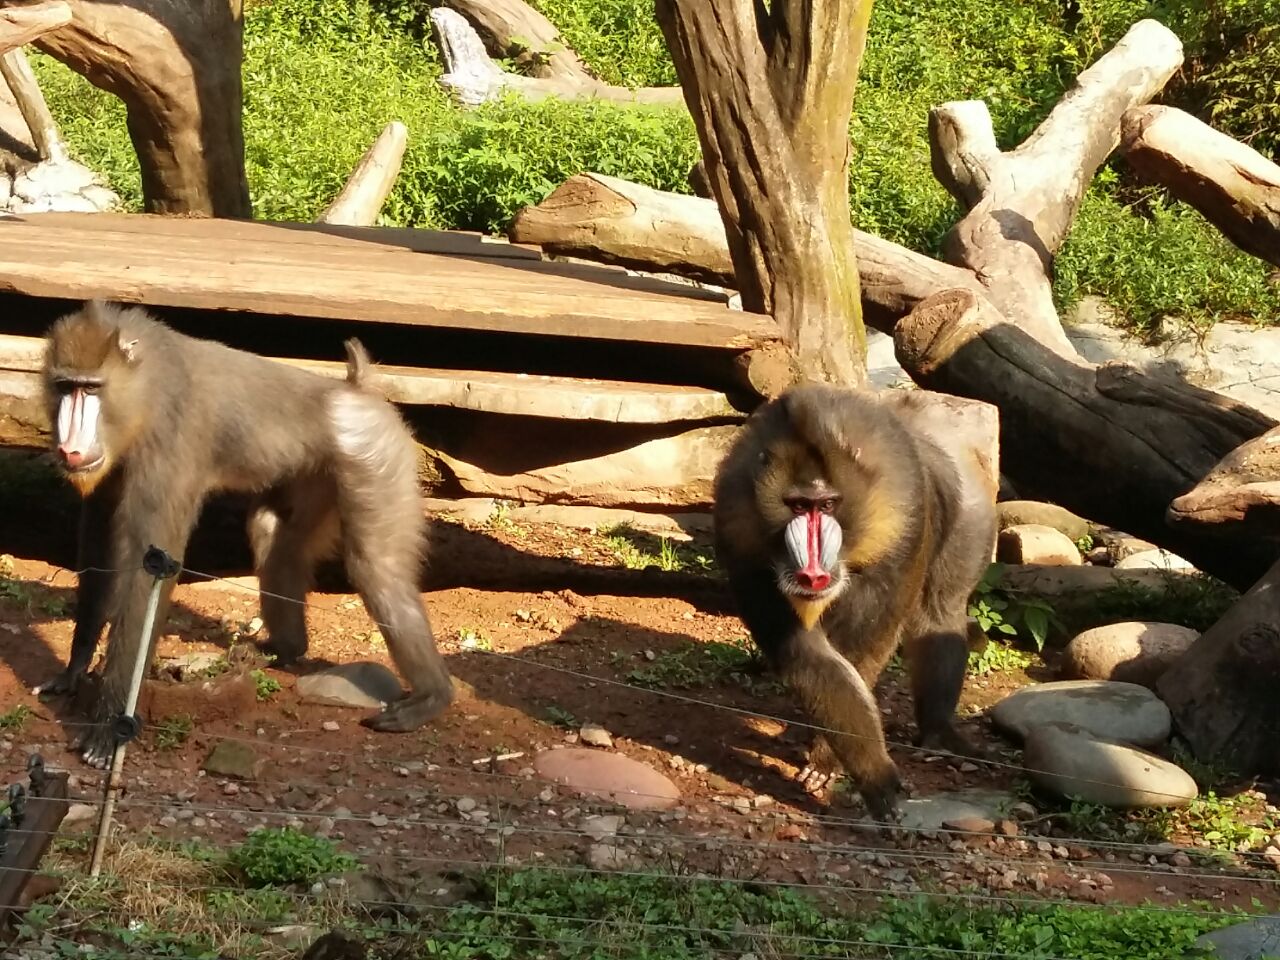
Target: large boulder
(1132, 652)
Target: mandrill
(148, 422)
(846, 531)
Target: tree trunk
(1235, 187)
(771, 92)
(1108, 442)
(1021, 204)
(176, 66)
(1240, 494)
(1222, 691)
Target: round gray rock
(1037, 543)
(612, 776)
(1067, 761)
(1124, 712)
(1137, 651)
(1015, 512)
(1155, 560)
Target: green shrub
(273, 857)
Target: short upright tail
(358, 362)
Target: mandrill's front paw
(821, 767)
(883, 796)
(68, 681)
(411, 712)
(97, 745)
(950, 740)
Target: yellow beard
(86, 482)
(810, 611)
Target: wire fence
(434, 822)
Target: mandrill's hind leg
(937, 659)
(383, 536)
(290, 530)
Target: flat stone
(1069, 762)
(1131, 652)
(931, 813)
(232, 758)
(1013, 513)
(1037, 543)
(1257, 939)
(1123, 712)
(190, 665)
(611, 776)
(595, 735)
(970, 825)
(362, 684)
(1155, 560)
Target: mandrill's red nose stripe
(813, 576)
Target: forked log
(1222, 691)
(770, 88)
(371, 182)
(473, 78)
(1235, 187)
(176, 66)
(616, 221)
(19, 25)
(17, 73)
(1021, 203)
(1108, 442)
(1241, 493)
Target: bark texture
(1108, 442)
(771, 92)
(176, 66)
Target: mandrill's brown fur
(918, 529)
(148, 422)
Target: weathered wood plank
(562, 398)
(28, 841)
(382, 285)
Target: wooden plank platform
(407, 277)
(518, 394)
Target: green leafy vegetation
(173, 731)
(15, 718)
(265, 685)
(998, 657)
(1009, 612)
(701, 664)
(637, 550)
(1196, 601)
(278, 857)
(323, 76)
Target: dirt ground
(534, 666)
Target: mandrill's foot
(414, 711)
(883, 795)
(97, 745)
(65, 682)
(284, 651)
(950, 740)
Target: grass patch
(637, 550)
(697, 664)
(998, 657)
(1196, 601)
(173, 731)
(276, 857)
(14, 719)
(165, 903)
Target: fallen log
(176, 66)
(616, 221)
(1021, 203)
(370, 183)
(19, 25)
(1222, 691)
(473, 78)
(1241, 493)
(1236, 188)
(17, 73)
(1108, 442)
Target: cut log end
(938, 326)
(369, 185)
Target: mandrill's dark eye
(826, 506)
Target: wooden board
(518, 394)
(292, 270)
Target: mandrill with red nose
(846, 532)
